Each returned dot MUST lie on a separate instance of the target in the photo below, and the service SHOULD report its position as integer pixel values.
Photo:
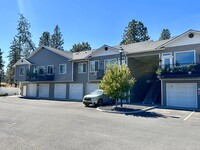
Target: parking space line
(189, 115)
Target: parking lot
(43, 124)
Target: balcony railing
(30, 76)
(182, 70)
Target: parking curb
(125, 112)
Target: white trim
(109, 59)
(47, 69)
(94, 65)
(170, 54)
(85, 67)
(183, 52)
(65, 69)
(20, 71)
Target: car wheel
(100, 102)
(87, 105)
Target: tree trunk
(116, 102)
(121, 102)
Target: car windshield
(97, 92)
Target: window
(166, 60)
(82, 68)
(184, 58)
(22, 71)
(109, 62)
(50, 69)
(41, 70)
(94, 66)
(62, 69)
(123, 61)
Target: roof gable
(59, 52)
(183, 39)
(22, 61)
(105, 50)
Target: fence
(9, 90)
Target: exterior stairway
(153, 93)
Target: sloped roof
(21, 61)
(66, 54)
(81, 55)
(145, 46)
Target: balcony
(180, 71)
(30, 76)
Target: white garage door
(44, 90)
(60, 91)
(91, 87)
(32, 90)
(75, 91)
(182, 95)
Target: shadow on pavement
(146, 114)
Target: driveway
(41, 124)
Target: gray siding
(80, 77)
(17, 77)
(45, 57)
(92, 75)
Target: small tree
(117, 82)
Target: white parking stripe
(189, 115)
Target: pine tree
(1, 60)
(45, 39)
(135, 32)
(56, 39)
(84, 46)
(13, 56)
(24, 36)
(165, 34)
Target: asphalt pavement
(58, 125)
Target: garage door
(75, 91)
(182, 95)
(60, 91)
(32, 90)
(44, 90)
(91, 87)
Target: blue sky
(96, 21)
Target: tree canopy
(56, 39)
(165, 34)
(117, 81)
(45, 39)
(84, 46)
(24, 36)
(135, 32)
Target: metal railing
(31, 76)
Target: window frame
(52, 69)
(65, 68)
(82, 65)
(109, 59)
(94, 65)
(184, 52)
(39, 70)
(20, 71)
(169, 56)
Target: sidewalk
(126, 109)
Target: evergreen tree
(56, 39)
(165, 34)
(84, 46)
(24, 36)
(135, 32)
(13, 56)
(1, 67)
(45, 39)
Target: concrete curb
(125, 112)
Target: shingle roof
(81, 55)
(142, 46)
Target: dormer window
(21, 71)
